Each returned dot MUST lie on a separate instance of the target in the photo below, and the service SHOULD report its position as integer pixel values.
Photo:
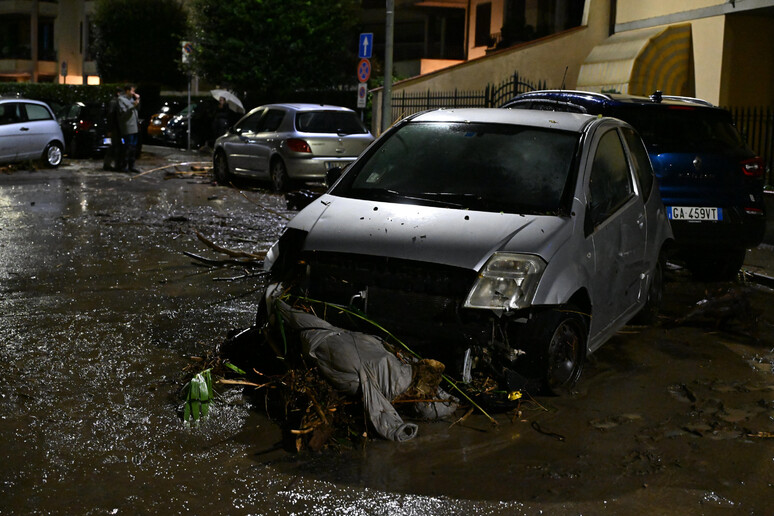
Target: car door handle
(24, 129)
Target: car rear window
(487, 167)
(92, 112)
(682, 128)
(342, 122)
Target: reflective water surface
(100, 311)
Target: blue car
(710, 181)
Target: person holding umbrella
(229, 106)
(222, 120)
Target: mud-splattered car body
(514, 241)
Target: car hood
(460, 238)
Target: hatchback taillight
(297, 145)
(85, 125)
(753, 167)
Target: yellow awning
(640, 62)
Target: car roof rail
(657, 97)
(576, 92)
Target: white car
(509, 242)
(29, 131)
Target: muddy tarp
(356, 362)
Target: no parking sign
(362, 94)
(364, 70)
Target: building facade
(718, 50)
(46, 41)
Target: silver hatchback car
(290, 143)
(507, 243)
(29, 131)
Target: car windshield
(333, 122)
(486, 167)
(683, 128)
(190, 108)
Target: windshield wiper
(389, 195)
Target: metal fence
(757, 126)
(404, 104)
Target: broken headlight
(507, 282)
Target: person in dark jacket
(221, 121)
(128, 104)
(114, 153)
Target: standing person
(130, 127)
(114, 153)
(222, 120)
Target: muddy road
(101, 310)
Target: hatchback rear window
(682, 128)
(341, 122)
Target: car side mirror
(332, 175)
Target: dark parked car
(290, 143)
(710, 180)
(202, 113)
(84, 126)
(160, 119)
(512, 243)
(29, 131)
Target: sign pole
(387, 92)
(364, 52)
(187, 51)
(188, 147)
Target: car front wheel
(52, 155)
(558, 339)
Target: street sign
(362, 94)
(187, 51)
(365, 48)
(364, 70)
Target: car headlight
(507, 282)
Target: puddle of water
(100, 312)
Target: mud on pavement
(101, 310)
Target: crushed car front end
(461, 234)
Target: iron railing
(757, 126)
(756, 123)
(407, 103)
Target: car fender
(566, 273)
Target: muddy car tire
(220, 168)
(279, 176)
(52, 155)
(560, 337)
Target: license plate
(106, 141)
(694, 213)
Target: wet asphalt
(101, 310)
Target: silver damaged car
(507, 243)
